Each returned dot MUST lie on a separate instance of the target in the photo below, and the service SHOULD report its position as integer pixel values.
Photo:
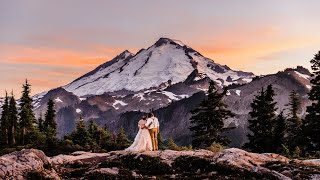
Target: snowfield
(302, 75)
(78, 110)
(57, 100)
(118, 102)
(167, 60)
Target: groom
(154, 127)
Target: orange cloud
(55, 56)
(47, 68)
(249, 47)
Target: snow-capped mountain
(168, 78)
(167, 61)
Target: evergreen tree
(49, 126)
(13, 120)
(81, 136)
(101, 136)
(207, 119)
(279, 132)
(92, 129)
(294, 122)
(4, 122)
(40, 123)
(122, 139)
(262, 122)
(105, 139)
(49, 122)
(26, 115)
(312, 119)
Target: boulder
(25, 163)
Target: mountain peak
(299, 69)
(164, 40)
(124, 55)
(166, 60)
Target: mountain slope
(167, 61)
(167, 78)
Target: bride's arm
(140, 125)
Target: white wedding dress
(142, 141)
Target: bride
(142, 141)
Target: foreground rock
(229, 164)
(25, 164)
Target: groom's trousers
(154, 138)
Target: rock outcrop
(230, 163)
(25, 164)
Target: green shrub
(285, 150)
(216, 147)
(296, 152)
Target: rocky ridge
(230, 163)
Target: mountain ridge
(166, 60)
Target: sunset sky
(53, 42)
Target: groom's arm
(148, 123)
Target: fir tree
(207, 119)
(81, 136)
(105, 139)
(49, 126)
(122, 139)
(49, 122)
(279, 132)
(293, 122)
(26, 115)
(40, 123)
(4, 122)
(101, 136)
(13, 120)
(312, 119)
(262, 122)
(92, 129)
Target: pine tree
(92, 128)
(105, 139)
(262, 122)
(207, 119)
(4, 122)
(294, 122)
(312, 119)
(101, 136)
(26, 115)
(49, 122)
(13, 120)
(81, 136)
(49, 126)
(40, 123)
(122, 139)
(279, 132)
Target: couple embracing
(147, 137)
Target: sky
(52, 42)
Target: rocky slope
(172, 105)
(228, 164)
(239, 99)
